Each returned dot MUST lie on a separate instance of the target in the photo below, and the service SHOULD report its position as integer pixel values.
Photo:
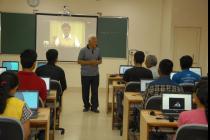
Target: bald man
(89, 59)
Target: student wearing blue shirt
(186, 76)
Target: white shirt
(70, 37)
(154, 71)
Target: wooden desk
(147, 122)
(116, 88)
(129, 99)
(43, 121)
(52, 99)
(110, 81)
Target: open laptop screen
(145, 84)
(11, 65)
(124, 68)
(176, 103)
(196, 70)
(47, 82)
(2, 69)
(31, 98)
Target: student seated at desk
(10, 106)
(28, 79)
(164, 83)
(151, 63)
(199, 115)
(51, 70)
(138, 72)
(186, 76)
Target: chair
(133, 87)
(55, 85)
(188, 87)
(192, 132)
(10, 129)
(154, 103)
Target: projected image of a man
(66, 39)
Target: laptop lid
(196, 70)
(144, 84)
(174, 103)
(124, 68)
(47, 82)
(11, 65)
(31, 98)
(172, 74)
(39, 64)
(2, 69)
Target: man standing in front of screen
(89, 59)
(66, 39)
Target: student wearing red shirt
(27, 78)
(199, 115)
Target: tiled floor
(85, 126)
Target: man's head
(165, 67)
(186, 62)
(66, 28)
(139, 57)
(92, 42)
(151, 61)
(28, 59)
(52, 56)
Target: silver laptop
(145, 84)
(175, 103)
(47, 82)
(196, 70)
(2, 70)
(39, 64)
(31, 98)
(124, 68)
(11, 65)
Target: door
(186, 42)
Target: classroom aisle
(85, 126)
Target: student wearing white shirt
(151, 64)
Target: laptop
(31, 98)
(196, 70)
(47, 82)
(145, 84)
(11, 65)
(173, 103)
(39, 64)
(2, 69)
(172, 74)
(124, 68)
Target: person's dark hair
(52, 56)
(8, 81)
(139, 57)
(186, 62)
(166, 66)
(202, 94)
(28, 58)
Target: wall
(144, 26)
(193, 13)
(151, 24)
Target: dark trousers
(90, 82)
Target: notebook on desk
(31, 98)
(124, 68)
(2, 70)
(11, 65)
(174, 103)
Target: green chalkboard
(112, 36)
(18, 32)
